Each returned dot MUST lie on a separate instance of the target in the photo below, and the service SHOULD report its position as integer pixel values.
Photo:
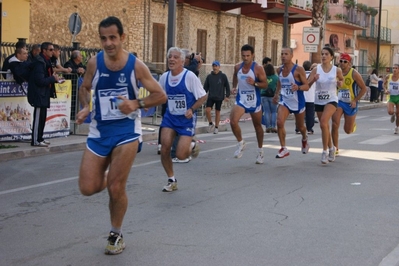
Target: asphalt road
(291, 211)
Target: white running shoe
(259, 158)
(159, 149)
(211, 128)
(305, 146)
(177, 160)
(115, 244)
(240, 148)
(331, 154)
(324, 156)
(171, 186)
(283, 152)
(216, 131)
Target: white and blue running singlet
(293, 100)
(180, 99)
(107, 120)
(248, 96)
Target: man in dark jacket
(40, 89)
(218, 88)
(75, 63)
(6, 63)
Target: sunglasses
(343, 61)
(50, 49)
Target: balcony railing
(303, 4)
(349, 15)
(372, 33)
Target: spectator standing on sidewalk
(41, 89)
(113, 140)
(248, 78)
(380, 88)
(374, 86)
(268, 105)
(218, 88)
(75, 63)
(185, 95)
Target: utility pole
(171, 24)
(285, 26)
(377, 60)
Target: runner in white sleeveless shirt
(290, 87)
(327, 78)
(248, 78)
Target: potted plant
(349, 3)
(372, 11)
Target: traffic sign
(311, 48)
(75, 24)
(311, 36)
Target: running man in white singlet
(290, 87)
(248, 78)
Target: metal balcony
(371, 33)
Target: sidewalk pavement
(77, 142)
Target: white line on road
(392, 259)
(75, 177)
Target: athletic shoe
(393, 118)
(216, 131)
(396, 130)
(211, 128)
(259, 158)
(305, 146)
(331, 154)
(171, 186)
(336, 152)
(297, 132)
(324, 159)
(311, 132)
(159, 149)
(41, 144)
(177, 160)
(240, 148)
(354, 127)
(283, 152)
(46, 142)
(195, 151)
(268, 130)
(274, 130)
(115, 244)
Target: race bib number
(323, 96)
(287, 91)
(177, 104)
(248, 98)
(394, 88)
(108, 107)
(344, 96)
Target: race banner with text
(16, 114)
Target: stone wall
(226, 33)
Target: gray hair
(177, 49)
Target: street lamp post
(377, 61)
(285, 26)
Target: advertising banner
(16, 114)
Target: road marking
(380, 140)
(75, 177)
(366, 155)
(341, 136)
(391, 259)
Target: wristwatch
(141, 104)
(256, 84)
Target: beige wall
(15, 20)
(226, 32)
